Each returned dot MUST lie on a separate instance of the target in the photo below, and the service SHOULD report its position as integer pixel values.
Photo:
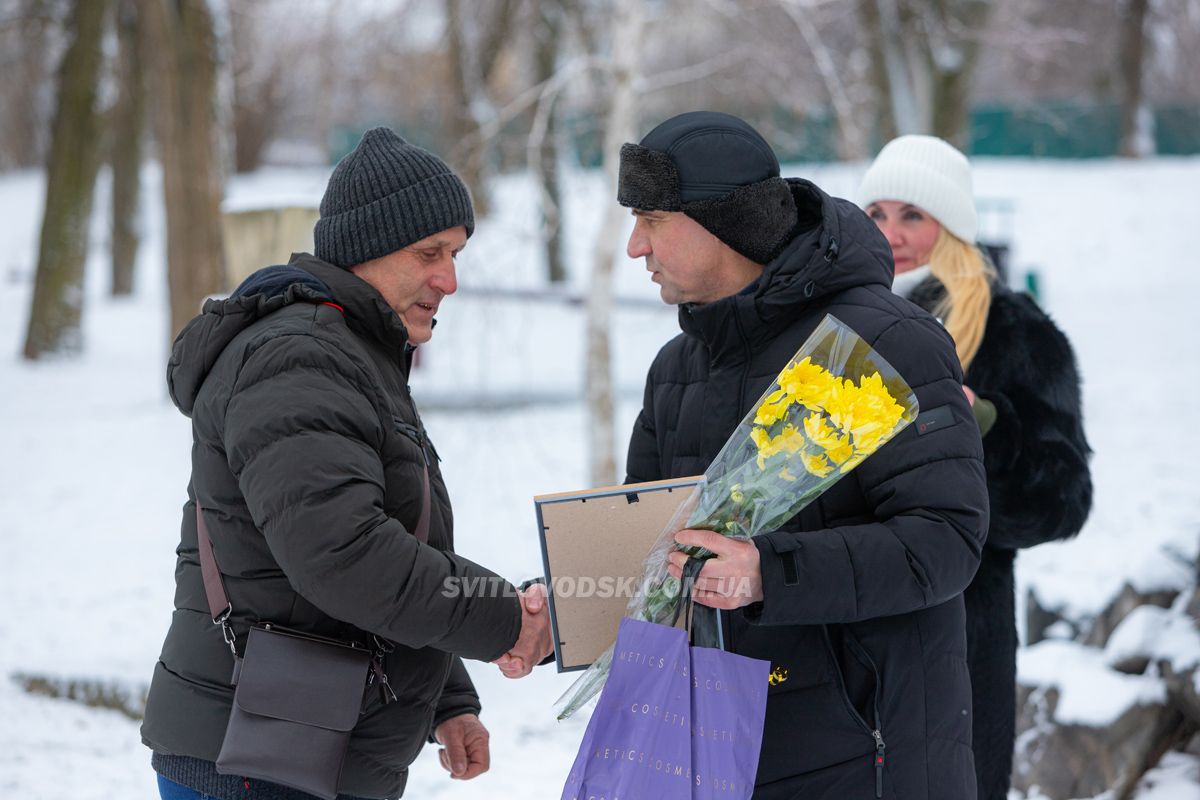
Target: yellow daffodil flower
(816, 464)
(841, 452)
(819, 432)
(807, 383)
(770, 413)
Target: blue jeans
(170, 790)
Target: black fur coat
(1040, 490)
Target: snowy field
(97, 459)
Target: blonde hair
(967, 276)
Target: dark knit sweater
(201, 775)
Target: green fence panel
(1177, 131)
(1048, 130)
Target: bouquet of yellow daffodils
(834, 404)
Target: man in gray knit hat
(320, 492)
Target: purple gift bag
(673, 722)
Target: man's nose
(445, 277)
(639, 243)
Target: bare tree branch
(692, 72)
(530, 97)
(853, 138)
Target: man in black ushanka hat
(857, 602)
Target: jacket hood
(835, 247)
(202, 340)
(304, 279)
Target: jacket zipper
(880, 749)
(726, 617)
(737, 321)
(417, 435)
(876, 732)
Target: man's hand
(464, 742)
(969, 393)
(534, 643)
(729, 580)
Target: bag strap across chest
(214, 585)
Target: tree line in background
(209, 88)
(117, 58)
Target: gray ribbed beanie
(385, 195)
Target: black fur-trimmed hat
(719, 171)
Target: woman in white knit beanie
(1026, 401)
(918, 191)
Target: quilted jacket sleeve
(458, 697)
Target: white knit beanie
(927, 172)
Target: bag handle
(214, 585)
(687, 581)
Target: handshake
(534, 642)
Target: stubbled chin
(418, 333)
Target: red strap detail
(335, 305)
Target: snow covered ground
(96, 458)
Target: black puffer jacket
(1036, 456)
(863, 590)
(307, 459)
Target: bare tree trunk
(473, 59)
(57, 307)
(257, 88)
(25, 40)
(462, 124)
(619, 128)
(549, 28)
(885, 116)
(908, 97)
(126, 148)
(923, 59)
(952, 49)
(181, 37)
(1135, 139)
(851, 141)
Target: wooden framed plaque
(594, 545)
